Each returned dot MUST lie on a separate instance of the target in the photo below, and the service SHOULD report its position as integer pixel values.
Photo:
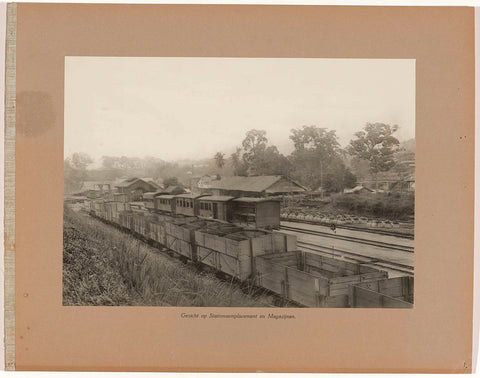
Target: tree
(337, 177)
(258, 158)
(376, 144)
(170, 181)
(219, 159)
(80, 160)
(315, 151)
(270, 162)
(75, 171)
(239, 168)
(254, 144)
(110, 162)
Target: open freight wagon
(233, 251)
(227, 248)
(318, 281)
(270, 259)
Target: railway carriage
(232, 236)
(187, 204)
(165, 203)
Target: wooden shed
(254, 186)
(149, 199)
(257, 212)
(185, 204)
(135, 188)
(215, 207)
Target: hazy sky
(181, 108)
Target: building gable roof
(94, 185)
(172, 189)
(131, 181)
(249, 184)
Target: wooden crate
(224, 263)
(361, 297)
(312, 281)
(180, 246)
(399, 287)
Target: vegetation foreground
(103, 266)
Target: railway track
(354, 228)
(357, 258)
(353, 239)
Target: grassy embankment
(104, 266)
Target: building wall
(167, 207)
(268, 214)
(208, 213)
(181, 207)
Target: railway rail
(354, 228)
(353, 239)
(357, 257)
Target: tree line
(317, 161)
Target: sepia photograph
(239, 182)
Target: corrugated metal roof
(125, 183)
(255, 200)
(357, 189)
(93, 185)
(247, 184)
(217, 198)
(172, 188)
(151, 195)
(189, 195)
(131, 181)
(166, 196)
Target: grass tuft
(103, 266)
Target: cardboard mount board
(435, 336)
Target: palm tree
(219, 159)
